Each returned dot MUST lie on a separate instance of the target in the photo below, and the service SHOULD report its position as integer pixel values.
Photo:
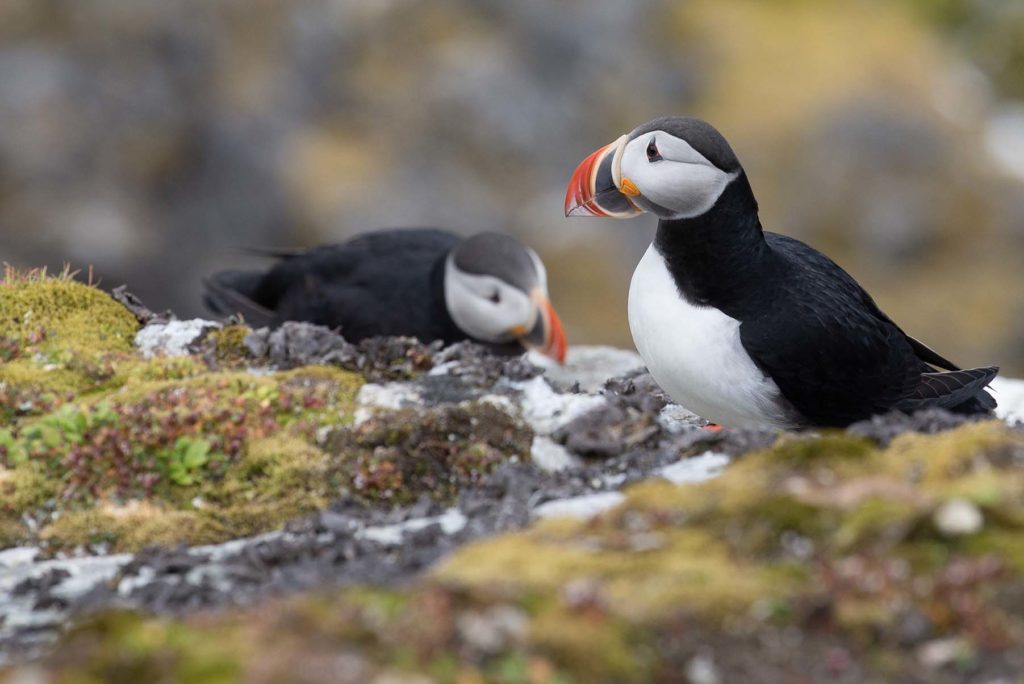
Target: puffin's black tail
(960, 391)
(980, 404)
(231, 292)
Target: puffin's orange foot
(713, 427)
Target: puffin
(418, 282)
(745, 327)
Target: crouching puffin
(746, 327)
(423, 283)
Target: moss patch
(59, 334)
(784, 524)
(227, 345)
(100, 445)
(214, 457)
(806, 558)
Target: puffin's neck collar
(714, 257)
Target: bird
(425, 283)
(745, 327)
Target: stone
(958, 517)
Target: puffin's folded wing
(949, 390)
(224, 295)
(929, 355)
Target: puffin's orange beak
(548, 335)
(594, 187)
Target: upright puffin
(424, 283)
(743, 326)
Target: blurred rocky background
(152, 138)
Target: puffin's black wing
(951, 389)
(380, 283)
(231, 292)
(834, 355)
(926, 353)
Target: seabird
(423, 283)
(747, 327)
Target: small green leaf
(197, 454)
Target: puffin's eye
(653, 154)
(495, 297)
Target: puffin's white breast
(695, 354)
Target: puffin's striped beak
(548, 335)
(594, 187)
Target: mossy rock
(637, 593)
(101, 445)
(59, 334)
(197, 461)
(196, 449)
(721, 548)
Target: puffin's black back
(383, 283)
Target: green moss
(74, 392)
(11, 532)
(128, 528)
(279, 468)
(124, 649)
(940, 460)
(24, 488)
(158, 369)
(239, 444)
(719, 548)
(594, 647)
(136, 525)
(830, 448)
(641, 577)
(228, 344)
(66, 333)
(620, 596)
(877, 522)
(40, 375)
(73, 314)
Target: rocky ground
(191, 501)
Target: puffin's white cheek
(687, 189)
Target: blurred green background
(149, 138)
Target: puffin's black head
(496, 290)
(674, 167)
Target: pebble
(581, 507)
(395, 677)
(492, 630)
(587, 367)
(550, 456)
(958, 517)
(545, 410)
(701, 670)
(696, 469)
(171, 338)
(940, 652)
